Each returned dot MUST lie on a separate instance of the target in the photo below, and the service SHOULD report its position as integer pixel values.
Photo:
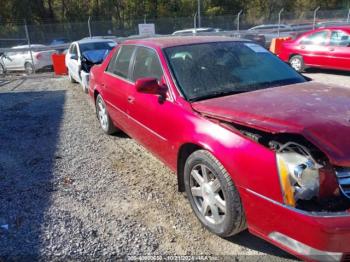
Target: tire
(103, 117)
(85, 88)
(2, 70)
(71, 79)
(297, 62)
(223, 215)
(28, 68)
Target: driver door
(74, 62)
(150, 118)
(339, 50)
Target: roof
(93, 40)
(169, 41)
(27, 46)
(337, 27)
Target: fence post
(348, 19)
(199, 14)
(89, 26)
(279, 21)
(315, 14)
(29, 44)
(238, 18)
(144, 19)
(195, 23)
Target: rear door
(14, 60)
(314, 48)
(339, 50)
(116, 85)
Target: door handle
(331, 49)
(302, 47)
(131, 99)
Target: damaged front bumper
(315, 236)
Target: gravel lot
(68, 190)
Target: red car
(254, 144)
(324, 48)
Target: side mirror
(151, 86)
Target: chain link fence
(59, 35)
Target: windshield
(96, 46)
(210, 70)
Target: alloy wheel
(102, 114)
(207, 194)
(296, 64)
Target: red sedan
(324, 48)
(254, 145)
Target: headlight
(299, 176)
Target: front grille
(343, 175)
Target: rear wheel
(212, 195)
(29, 68)
(297, 62)
(103, 116)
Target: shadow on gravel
(327, 71)
(250, 241)
(29, 132)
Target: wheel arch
(291, 55)
(184, 152)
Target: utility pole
(199, 13)
(348, 19)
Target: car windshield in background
(96, 46)
(209, 70)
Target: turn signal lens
(287, 189)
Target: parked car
(20, 59)
(332, 23)
(254, 145)
(196, 30)
(82, 55)
(59, 41)
(323, 48)
(271, 27)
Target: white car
(82, 55)
(271, 28)
(192, 31)
(19, 59)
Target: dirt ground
(69, 191)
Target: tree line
(120, 11)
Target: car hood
(320, 113)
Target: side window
(339, 38)
(147, 64)
(119, 64)
(73, 50)
(318, 38)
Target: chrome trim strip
(139, 123)
(306, 213)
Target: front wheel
(29, 68)
(103, 117)
(297, 62)
(213, 195)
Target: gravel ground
(69, 191)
